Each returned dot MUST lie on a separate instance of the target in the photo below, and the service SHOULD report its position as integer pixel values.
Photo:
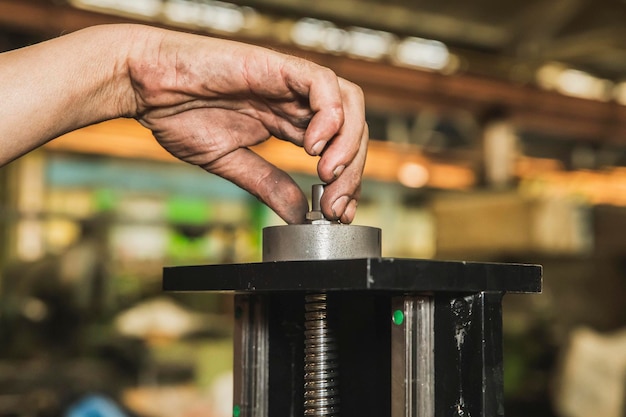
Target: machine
(325, 326)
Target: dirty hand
(208, 100)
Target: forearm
(61, 85)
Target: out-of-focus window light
(221, 16)
(149, 8)
(548, 74)
(423, 53)
(309, 32)
(369, 44)
(355, 41)
(181, 11)
(336, 40)
(413, 175)
(580, 84)
(574, 83)
(372, 44)
(216, 15)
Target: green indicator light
(238, 312)
(236, 411)
(398, 317)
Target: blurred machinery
(325, 326)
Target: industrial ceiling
(507, 39)
(504, 38)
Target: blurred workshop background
(498, 134)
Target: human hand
(207, 100)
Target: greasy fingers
(340, 198)
(344, 146)
(343, 160)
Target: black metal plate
(382, 274)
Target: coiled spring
(321, 391)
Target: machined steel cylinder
(301, 242)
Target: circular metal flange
(303, 242)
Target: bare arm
(60, 85)
(205, 100)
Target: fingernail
(348, 215)
(339, 206)
(337, 172)
(318, 147)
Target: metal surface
(251, 368)
(368, 274)
(320, 239)
(320, 242)
(468, 355)
(315, 216)
(412, 356)
(321, 373)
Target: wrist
(148, 65)
(128, 39)
(100, 68)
